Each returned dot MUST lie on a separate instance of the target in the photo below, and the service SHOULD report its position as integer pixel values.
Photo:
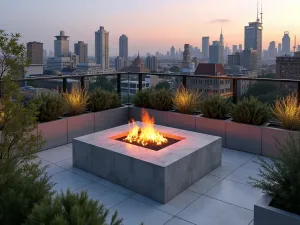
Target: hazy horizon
(150, 25)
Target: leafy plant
(215, 107)
(100, 99)
(76, 101)
(287, 111)
(251, 111)
(116, 100)
(161, 99)
(50, 106)
(163, 85)
(142, 98)
(186, 100)
(280, 179)
(70, 209)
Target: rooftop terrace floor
(222, 197)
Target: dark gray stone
(264, 214)
(182, 121)
(111, 118)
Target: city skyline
(150, 27)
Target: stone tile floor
(222, 197)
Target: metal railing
(140, 80)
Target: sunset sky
(151, 25)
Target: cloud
(220, 21)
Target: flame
(146, 134)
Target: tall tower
(61, 45)
(172, 50)
(123, 46)
(81, 49)
(35, 52)
(205, 47)
(286, 44)
(221, 37)
(102, 47)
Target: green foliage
(280, 179)
(104, 83)
(251, 111)
(21, 187)
(215, 107)
(76, 101)
(163, 85)
(175, 69)
(50, 106)
(100, 99)
(71, 209)
(142, 98)
(161, 99)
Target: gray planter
(80, 125)
(54, 133)
(111, 118)
(270, 136)
(243, 137)
(267, 215)
(182, 121)
(211, 126)
(160, 117)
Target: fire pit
(156, 161)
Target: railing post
(298, 92)
(64, 84)
(184, 81)
(140, 81)
(119, 84)
(82, 83)
(234, 91)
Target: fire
(146, 134)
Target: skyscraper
(61, 45)
(272, 50)
(81, 49)
(234, 49)
(186, 56)
(151, 63)
(35, 52)
(119, 63)
(172, 50)
(286, 44)
(279, 49)
(102, 47)
(221, 38)
(240, 47)
(123, 46)
(205, 47)
(216, 51)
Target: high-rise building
(186, 56)
(123, 46)
(272, 50)
(61, 45)
(286, 44)
(102, 47)
(205, 47)
(234, 49)
(288, 67)
(35, 52)
(216, 51)
(221, 38)
(119, 63)
(240, 47)
(81, 49)
(279, 49)
(172, 50)
(249, 59)
(151, 63)
(45, 54)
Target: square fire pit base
(160, 175)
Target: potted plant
(287, 112)
(215, 111)
(52, 127)
(79, 121)
(244, 132)
(140, 100)
(106, 107)
(186, 103)
(280, 183)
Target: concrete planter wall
(211, 126)
(111, 118)
(244, 137)
(54, 133)
(270, 136)
(264, 214)
(182, 121)
(160, 117)
(80, 125)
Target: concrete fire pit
(160, 175)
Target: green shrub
(70, 209)
(142, 98)
(163, 85)
(100, 99)
(280, 179)
(251, 111)
(215, 107)
(50, 106)
(161, 99)
(21, 187)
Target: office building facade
(35, 52)
(102, 47)
(216, 51)
(205, 47)
(288, 67)
(119, 63)
(123, 46)
(81, 49)
(286, 44)
(61, 45)
(151, 63)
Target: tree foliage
(163, 85)
(104, 83)
(215, 107)
(175, 69)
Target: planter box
(160, 117)
(243, 137)
(268, 215)
(80, 125)
(211, 126)
(0, 136)
(269, 137)
(182, 121)
(111, 118)
(54, 133)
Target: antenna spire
(261, 13)
(257, 12)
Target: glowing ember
(146, 134)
